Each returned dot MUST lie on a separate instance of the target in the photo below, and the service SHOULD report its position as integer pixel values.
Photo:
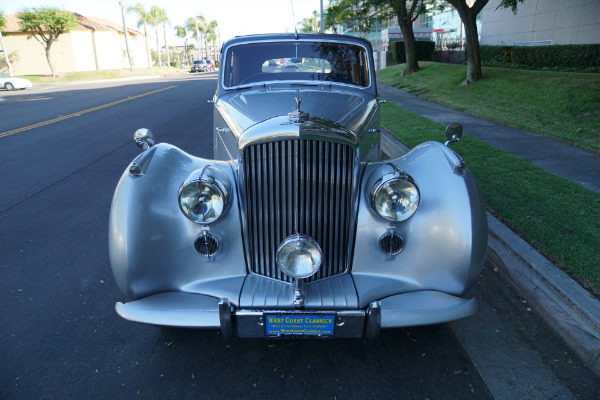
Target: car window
(293, 61)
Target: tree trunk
(473, 51)
(468, 16)
(157, 49)
(166, 46)
(49, 58)
(410, 46)
(147, 46)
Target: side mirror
(454, 132)
(143, 138)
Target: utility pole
(322, 29)
(8, 64)
(122, 4)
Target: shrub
(424, 50)
(577, 57)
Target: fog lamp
(299, 256)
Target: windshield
(293, 61)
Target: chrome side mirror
(143, 138)
(454, 132)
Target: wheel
(9, 86)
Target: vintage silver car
(297, 227)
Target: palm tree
(211, 36)
(310, 25)
(181, 32)
(153, 20)
(144, 19)
(196, 25)
(164, 20)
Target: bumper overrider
(188, 310)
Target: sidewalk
(579, 165)
(572, 311)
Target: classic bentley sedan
(297, 227)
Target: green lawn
(558, 217)
(99, 75)
(563, 105)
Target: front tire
(9, 86)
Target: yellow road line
(79, 113)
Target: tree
(163, 19)
(193, 24)
(46, 25)
(181, 32)
(144, 20)
(468, 15)
(311, 25)
(369, 11)
(153, 20)
(3, 25)
(211, 36)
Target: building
(95, 44)
(542, 22)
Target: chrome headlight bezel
(213, 184)
(385, 182)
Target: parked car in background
(210, 64)
(297, 227)
(199, 66)
(9, 83)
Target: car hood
(245, 108)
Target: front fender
(444, 241)
(151, 242)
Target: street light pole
(122, 4)
(322, 23)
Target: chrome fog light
(202, 201)
(395, 199)
(206, 244)
(299, 256)
(391, 243)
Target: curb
(570, 309)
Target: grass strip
(560, 218)
(101, 75)
(563, 105)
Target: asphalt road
(62, 151)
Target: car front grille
(298, 186)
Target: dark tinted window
(292, 61)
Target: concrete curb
(570, 309)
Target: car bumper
(189, 310)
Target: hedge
(580, 57)
(570, 57)
(424, 50)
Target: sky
(235, 17)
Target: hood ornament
(298, 116)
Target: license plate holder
(299, 324)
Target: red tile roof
(85, 24)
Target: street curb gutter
(570, 309)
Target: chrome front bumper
(189, 310)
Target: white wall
(558, 21)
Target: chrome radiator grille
(298, 186)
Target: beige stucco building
(95, 44)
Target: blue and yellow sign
(299, 324)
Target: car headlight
(395, 198)
(299, 256)
(203, 200)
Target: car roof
(320, 37)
